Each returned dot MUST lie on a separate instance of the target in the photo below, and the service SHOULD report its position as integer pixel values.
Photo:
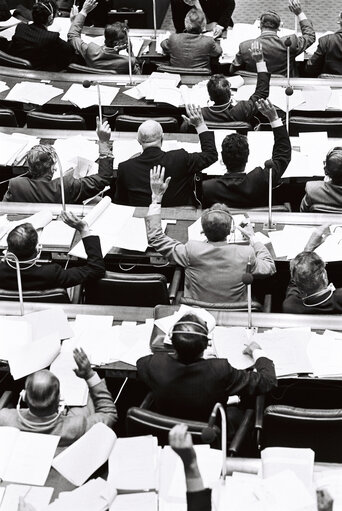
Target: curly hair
(235, 152)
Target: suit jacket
(26, 189)
(199, 500)
(241, 190)
(71, 426)
(44, 49)
(321, 192)
(215, 10)
(213, 270)
(133, 181)
(244, 111)
(52, 275)
(328, 56)
(190, 391)
(101, 57)
(330, 302)
(191, 50)
(4, 11)
(275, 51)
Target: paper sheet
(278, 97)
(325, 353)
(316, 98)
(165, 324)
(14, 335)
(277, 459)
(147, 501)
(290, 241)
(229, 343)
(95, 495)
(49, 320)
(73, 390)
(37, 497)
(57, 234)
(33, 92)
(83, 98)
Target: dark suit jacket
(25, 189)
(133, 182)
(215, 10)
(293, 303)
(244, 111)
(44, 49)
(275, 51)
(189, 391)
(4, 11)
(49, 276)
(241, 190)
(199, 500)
(328, 56)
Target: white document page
(14, 335)
(124, 149)
(29, 141)
(315, 145)
(57, 234)
(38, 220)
(92, 496)
(141, 345)
(83, 98)
(278, 459)
(278, 98)
(330, 480)
(8, 437)
(165, 324)
(316, 98)
(33, 92)
(147, 501)
(37, 497)
(9, 149)
(229, 343)
(48, 320)
(132, 235)
(325, 353)
(290, 241)
(260, 148)
(87, 454)
(74, 390)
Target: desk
(253, 465)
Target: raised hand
(250, 348)
(194, 115)
(103, 130)
(84, 369)
(256, 51)
(158, 185)
(295, 7)
(181, 442)
(267, 109)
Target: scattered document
(57, 234)
(49, 320)
(300, 461)
(77, 153)
(152, 86)
(290, 241)
(38, 220)
(316, 98)
(278, 97)
(26, 457)
(95, 495)
(37, 497)
(147, 501)
(84, 98)
(229, 343)
(74, 390)
(33, 92)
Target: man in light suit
(274, 49)
(213, 268)
(218, 12)
(328, 56)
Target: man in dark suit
(133, 181)
(22, 241)
(34, 42)
(218, 12)
(4, 11)
(274, 49)
(38, 185)
(238, 189)
(328, 56)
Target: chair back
(7, 118)
(318, 429)
(234, 306)
(57, 295)
(128, 289)
(10, 61)
(239, 126)
(45, 120)
(299, 124)
(132, 123)
(184, 70)
(78, 68)
(324, 208)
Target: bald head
(42, 393)
(150, 134)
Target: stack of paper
(300, 461)
(195, 232)
(15, 147)
(95, 495)
(37, 497)
(77, 153)
(147, 501)
(152, 86)
(325, 353)
(291, 240)
(57, 234)
(240, 32)
(83, 98)
(33, 92)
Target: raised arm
(262, 264)
(308, 37)
(262, 88)
(75, 31)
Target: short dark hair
(235, 152)
(219, 89)
(22, 241)
(333, 165)
(114, 33)
(42, 398)
(270, 19)
(40, 160)
(216, 222)
(308, 272)
(190, 337)
(194, 21)
(42, 10)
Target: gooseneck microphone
(247, 279)
(269, 226)
(209, 435)
(86, 84)
(289, 89)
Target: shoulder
(245, 45)
(314, 186)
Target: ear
(326, 171)
(23, 395)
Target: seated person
(213, 268)
(224, 110)
(43, 415)
(192, 49)
(274, 49)
(38, 185)
(309, 291)
(328, 56)
(101, 57)
(218, 13)
(4, 11)
(34, 42)
(22, 241)
(327, 192)
(187, 386)
(238, 189)
(133, 181)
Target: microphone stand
(12, 257)
(269, 226)
(61, 181)
(213, 415)
(154, 20)
(129, 50)
(247, 279)
(86, 84)
(289, 89)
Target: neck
(236, 171)
(152, 144)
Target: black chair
(329, 76)
(333, 125)
(184, 70)
(10, 61)
(78, 68)
(132, 289)
(324, 208)
(7, 118)
(43, 120)
(132, 123)
(239, 126)
(57, 295)
(247, 74)
(231, 306)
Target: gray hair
(308, 272)
(40, 160)
(216, 222)
(195, 21)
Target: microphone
(247, 279)
(209, 435)
(289, 89)
(10, 257)
(129, 49)
(269, 226)
(155, 20)
(86, 84)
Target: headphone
(203, 334)
(49, 9)
(330, 288)
(232, 223)
(34, 425)
(11, 258)
(274, 14)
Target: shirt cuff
(261, 67)
(301, 17)
(201, 128)
(154, 209)
(258, 354)
(94, 380)
(275, 124)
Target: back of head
(270, 20)
(115, 33)
(308, 272)
(235, 152)
(150, 133)
(219, 89)
(22, 241)
(216, 222)
(190, 338)
(43, 12)
(333, 165)
(195, 21)
(42, 393)
(41, 160)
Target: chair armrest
(175, 283)
(5, 398)
(75, 294)
(244, 428)
(259, 417)
(267, 303)
(147, 402)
